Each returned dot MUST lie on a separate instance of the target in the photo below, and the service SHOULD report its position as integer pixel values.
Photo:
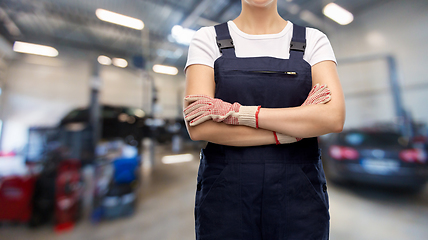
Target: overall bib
(270, 192)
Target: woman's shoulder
(205, 40)
(207, 33)
(203, 47)
(313, 33)
(318, 47)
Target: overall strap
(224, 41)
(298, 42)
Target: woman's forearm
(230, 135)
(302, 122)
(310, 120)
(305, 121)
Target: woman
(260, 176)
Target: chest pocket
(271, 89)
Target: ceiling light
(104, 60)
(177, 158)
(35, 49)
(120, 62)
(165, 69)
(119, 19)
(182, 35)
(338, 14)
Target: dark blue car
(375, 157)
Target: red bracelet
(257, 116)
(276, 139)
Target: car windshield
(77, 114)
(374, 139)
(110, 112)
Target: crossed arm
(303, 121)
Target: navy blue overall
(269, 192)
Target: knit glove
(206, 108)
(319, 94)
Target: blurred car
(117, 122)
(374, 157)
(170, 128)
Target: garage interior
(101, 102)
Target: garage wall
(170, 95)
(397, 28)
(41, 90)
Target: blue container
(126, 169)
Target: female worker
(260, 101)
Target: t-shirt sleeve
(318, 47)
(203, 49)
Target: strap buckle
(297, 46)
(225, 43)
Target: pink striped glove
(206, 108)
(319, 94)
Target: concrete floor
(165, 212)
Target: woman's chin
(259, 3)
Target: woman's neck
(260, 20)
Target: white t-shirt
(203, 47)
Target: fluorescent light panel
(104, 60)
(338, 14)
(165, 69)
(177, 158)
(36, 49)
(120, 62)
(119, 19)
(182, 35)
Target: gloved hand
(319, 94)
(206, 108)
